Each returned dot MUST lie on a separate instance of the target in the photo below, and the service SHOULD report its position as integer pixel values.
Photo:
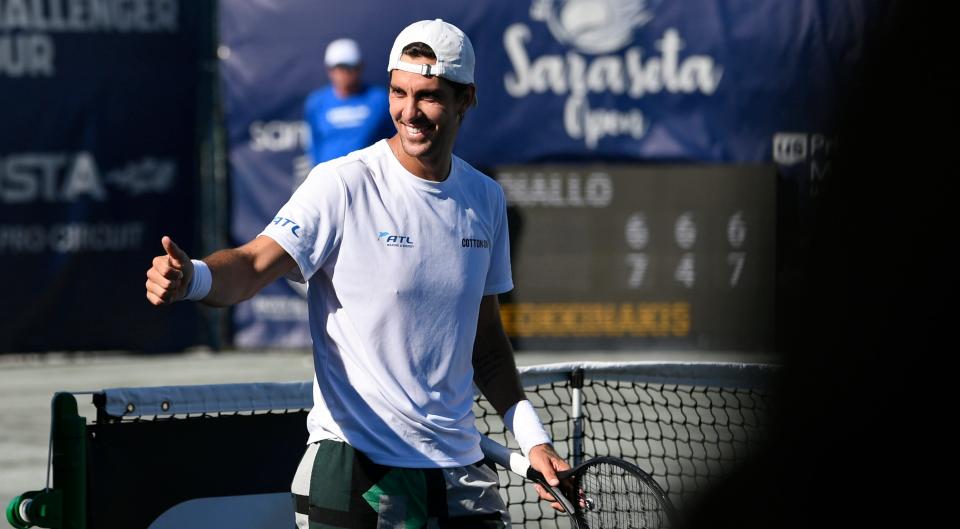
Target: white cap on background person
(342, 52)
(452, 47)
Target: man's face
(425, 112)
(345, 79)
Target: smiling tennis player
(405, 248)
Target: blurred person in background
(405, 248)
(347, 114)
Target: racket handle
(535, 475)
(561, 474)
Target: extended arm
(236, 274)
(495, 373)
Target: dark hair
(420, 49)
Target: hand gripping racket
(604, 492)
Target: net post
(70, 460)
(576, 413)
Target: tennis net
(687, 424)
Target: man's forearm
(239, 273)
(495, 373)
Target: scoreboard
(641, 256)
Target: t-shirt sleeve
(310, 225)
(499, 276)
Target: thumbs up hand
(170, 274)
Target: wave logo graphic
(592, 26)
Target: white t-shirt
(397, 266)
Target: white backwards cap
(452, 47)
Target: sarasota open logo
(608, 62)
(592, 26)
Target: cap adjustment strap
(423, 69)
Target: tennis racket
(604, 492)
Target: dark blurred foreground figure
(860, 440)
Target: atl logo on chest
(399, 241)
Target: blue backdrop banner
(558, 81)
(97, 162)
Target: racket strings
(610, 496)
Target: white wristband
(523, 421)
(200, 283)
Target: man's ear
(468, 98)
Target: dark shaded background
(861, 438)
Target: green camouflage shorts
(339, 487)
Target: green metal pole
(70, 460)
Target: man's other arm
(495, 374)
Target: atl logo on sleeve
(399, 241)
(284, 222)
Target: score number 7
(736, 235)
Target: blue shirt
(339, 126)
